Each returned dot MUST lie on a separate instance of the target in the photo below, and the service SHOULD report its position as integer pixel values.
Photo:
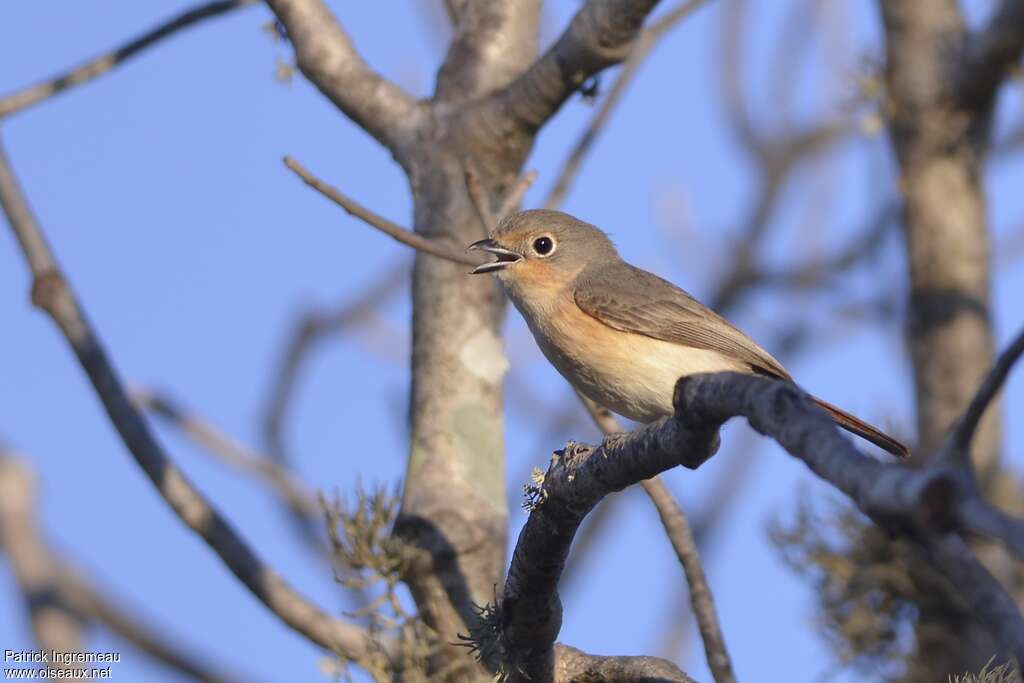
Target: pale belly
(630, 374)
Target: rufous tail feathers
(863, 429)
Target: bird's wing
(632, 300)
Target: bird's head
(542, 247)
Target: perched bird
(620, 335)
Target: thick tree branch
(600, 35)
(494, 41)
(921, 503)
(326, 56)
(578, 477)
(575, 666)
(939, 141)
(52, 293)
(97, 66)
(992, 53)
(677, 527)
(427, 245)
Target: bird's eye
(543, 245)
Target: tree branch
(494, 41)
(52, 293)
(309, 330)
(992, 53)
(293, 492)
(677, 527)
(575, 666)
(960, 440)
(641, 50)
(55, 592)
(923, 504)
(97, 66)
(600, 35)
(326, 56)
(427, 245)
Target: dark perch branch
(576, 480)
(326, 56)
(923, 504)
(97, 66)
(680, 535)
(415, 240)
(52, 293)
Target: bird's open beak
(505, 257)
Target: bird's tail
(863, 429)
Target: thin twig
(403, 235)
(960, 439)
(481, 203)
(52, 293)
(293, 492)
(309, 330)
(515, 196)
(641, 49)
(677, 528)
(97, 66)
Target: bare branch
(327, 57)
(641, 50)
(992, 53)
(97, 66)
(578, 477)
(515, 195)
(924, 504)
(58, 596)
(732, 77)
(55, 623)
(293, 492)
(308, 331)
(681, 536)
(994, 607)
(481, 203)
(427, 245)
(600, 35)
(960, 439)
(535, 597)
(495, 40)
(777, 161)
(52, 293)
(678, 529)
(574, 666)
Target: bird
(622, 336)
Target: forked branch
(101, 64)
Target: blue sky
(194, 250)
